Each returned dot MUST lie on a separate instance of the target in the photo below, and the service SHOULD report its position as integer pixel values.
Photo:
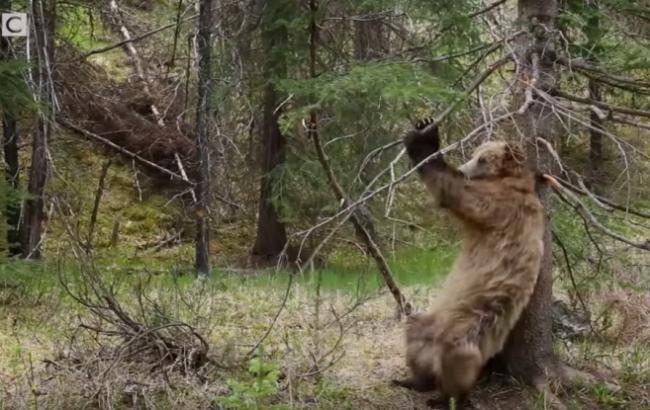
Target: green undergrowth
(345, 272)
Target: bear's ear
(516, 153)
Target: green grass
(351, 273)
(346, 272)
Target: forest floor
(343, 357)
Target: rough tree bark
(43, 16)
(10, 144)
(10, 148)
(529, 352)
(271, 231)
(203, 110)
(596, 171)
(370, 39)
(595, 174)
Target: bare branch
(582, 210)
(600, 104)
(567, 262)
(98, 198)
(600, 74)
(602, 200)
(625, 121)
(487, 8)
(473, 86)
(174, 176)
(367, 195)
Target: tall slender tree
(10, 150)
(203, 111)
(271, 231)
(44, 17)
(529, 353)
(595, 173)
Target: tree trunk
(370, 40)
(596, 172)
(10, 144)
(10, 148)
(43, 13)
(529, 352)
(203, 112)
(271, 231)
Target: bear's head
(495, 159)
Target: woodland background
(205, 204)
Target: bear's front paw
(422, 141)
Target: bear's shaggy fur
(493, 197)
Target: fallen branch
(362, 224)
(98, 198)
(361, 221)
(137, 158)
(135, 58)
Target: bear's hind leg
(461, 367)
(417, 383)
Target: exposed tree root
(551, 400)
(572, 377)
(566, 377)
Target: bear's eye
(482, 160)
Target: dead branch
(135, 39)
(266, 334)
(444, 114)
(567, 262)
(473, 86)
(621, 120)
(490, 47)
(600, 104)
(135, 157)
(141, 36)
(487, 8)
(98, 198)
(582, 210)
(600, 74)
(477, 13)
(174, 344)
(361, 220)
(602, 200)
(135, 58)
(367, 195)
(181, 168)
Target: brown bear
(494, 198)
